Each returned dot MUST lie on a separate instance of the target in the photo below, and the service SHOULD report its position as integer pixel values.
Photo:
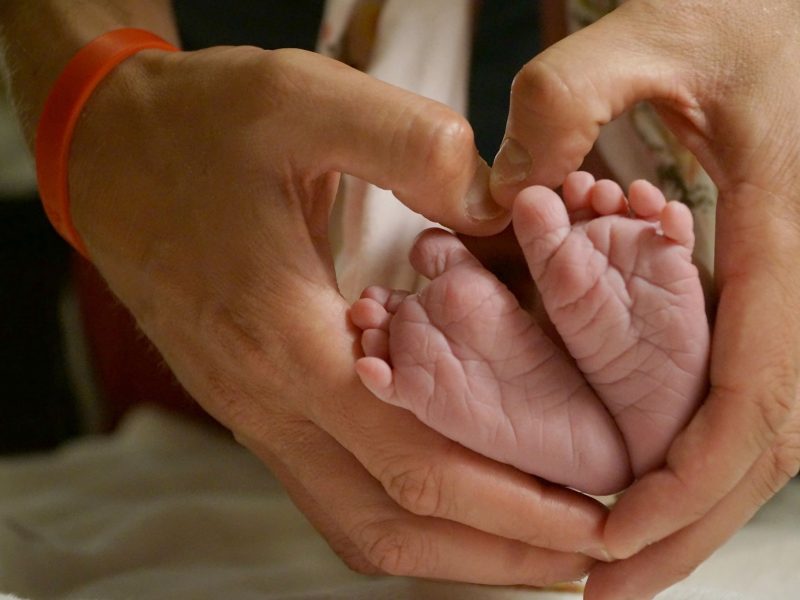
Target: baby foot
(469, 362)
(622, 293)
(626, 300)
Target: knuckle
(683, 569)
(784, 464)
(775, 404)
(417, 489)
(356, 562)
(565, 104)
(447, 139)
(395, 551)
(280, 60)
(788, 449)
(541, 88)
(780, 464)
(349, 554)
(274, 79)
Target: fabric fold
(423, 47)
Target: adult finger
(240, 299)
(726, 113)
(429, 475)
(343, 120)
(752, 393)
(664, 563)
(558, 104)
(374, 534)
(350, 505)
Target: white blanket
(167, 509)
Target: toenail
(512, 164)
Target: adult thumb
(421, 150)
(561, 98)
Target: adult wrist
(66, 101)
(37, 39)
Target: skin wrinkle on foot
(634, 301)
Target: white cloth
(637, 145)
(424, 47)
(167, 509)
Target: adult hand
(202, 183)
(724, 78)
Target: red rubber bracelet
(62, 109)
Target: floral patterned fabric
(397, 41)
(639, 145)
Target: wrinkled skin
(209, 220)
(467, 360)
(201, 183)
(724, 78)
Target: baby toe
(607, 198)
(376, 292)
(375, 342)
(677, 223)
(646, 200)
(538, 211)
(370, 314)
(395, 300)
(576, 190)
(541, 224)
(376, 375)
(387, 298)
(437, 251)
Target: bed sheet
(168, 509)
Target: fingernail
(479, 203)
(599, 554)
(512, 163)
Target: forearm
(38, 38)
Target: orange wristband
(63, 108)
